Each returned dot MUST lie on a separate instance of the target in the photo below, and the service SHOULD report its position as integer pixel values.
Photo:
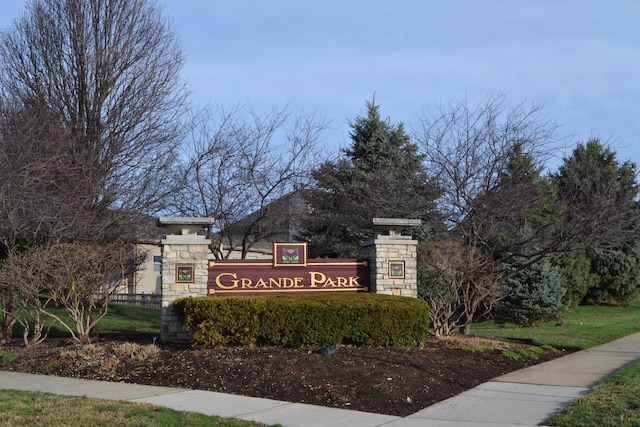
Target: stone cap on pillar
(390, 226)
(185, 225)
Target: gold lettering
(316, 279)
(260, 283)
(275, 282)
(329, 282)
(287, 282)
(234, 282)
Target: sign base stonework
(394, 269)
(184, 270)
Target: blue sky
(581, 58)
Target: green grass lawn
(583, 327)
(123, 318)
(613, 403)
(18, 408)
(120, 319)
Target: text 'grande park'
(313, 279)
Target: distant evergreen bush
(619, 276)
(533, 296)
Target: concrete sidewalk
(524, 398)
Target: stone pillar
(184, 270)
(393, 257)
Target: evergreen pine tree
(380, 175)
(520, 230)
(618, 274)
(598, 194)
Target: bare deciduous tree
(23, 297)
(42, 196)
(82, 278)
(459, 282)
(42, 193)
(107, 74)
(90, 108)
(469, 150)
(241, 169)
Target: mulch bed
(381, 380)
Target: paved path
(522, 398)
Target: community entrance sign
(288, 272)
(389, 267)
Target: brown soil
(382, 380)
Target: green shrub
(296, 321)
(576, 277)
(220, 321)
(310, 320)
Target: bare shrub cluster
(109, 358)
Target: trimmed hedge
(309, 320)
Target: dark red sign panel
(266, 277)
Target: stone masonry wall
(187, 249)
(386, 249)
